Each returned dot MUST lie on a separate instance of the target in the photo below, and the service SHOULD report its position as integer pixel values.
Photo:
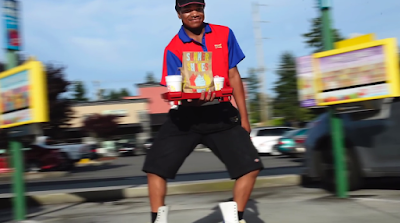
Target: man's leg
(174, 142)
(243, 188)
(235, 149)
(157, 187)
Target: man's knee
(252, 174)
(155, 177)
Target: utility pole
(336, 122)
(261, 70)
(98, 91)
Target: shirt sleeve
(235, 52)
(170, 66)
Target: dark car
(127, 147)
(93, 155)
(148, 143)
(292, 142)
(372, 145)
(41, 159)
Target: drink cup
(174, 83)
(219, 83)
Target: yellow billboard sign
(23, 95)
(356, 73)
(355, 41)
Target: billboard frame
(390, 52)
(37, 92)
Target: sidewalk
(272, 205)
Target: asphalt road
(127, 171)
(267, 205)
(197, 162)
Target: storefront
(132, 121)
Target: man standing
(217, 125)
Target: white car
(265, 139)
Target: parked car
(93, 147)
(148, 143)
(93, 151)
(37, 158)
(126, 147)
(371, 141)
(71, 152)
(4, 162)
(292, 142)
(265, 138)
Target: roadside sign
(23, 95)
(305, 81)
(11, 21)
(357, 73)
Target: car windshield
(302, 132)
(290, 133)
(273, 131)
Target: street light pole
(264, 100)
(11, 16)
(336, 122)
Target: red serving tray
(222, 95)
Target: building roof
(154, 84)
(110, 102)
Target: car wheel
(294, 156)
(68, 163)
(139, 151)
(275, 152)
(94, 156)
(132, 153)
(326, 166)
(33, 167)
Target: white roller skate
(162, 215)
(230, 212)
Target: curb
(94, 163)
(112, 194)
(35, 176)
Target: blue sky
(118, 41)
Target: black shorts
(217, 127)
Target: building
(140, 116)
(158, 108)
(132, 122)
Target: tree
(253, 90)
(101, 125)
(313, 39)
(150, 78)
(79, 92)
(60, 111)
(112, 95)
(124, 93)
(117, 95)
(286, 102)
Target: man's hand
(246, 125)
(203, 99)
